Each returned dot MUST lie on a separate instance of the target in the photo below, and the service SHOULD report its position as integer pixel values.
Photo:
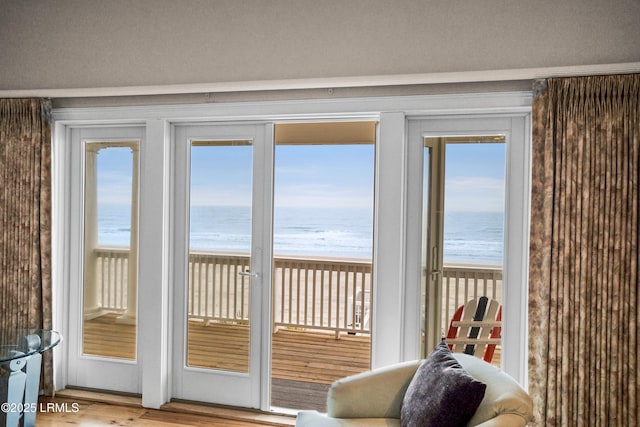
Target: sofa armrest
(374, 394)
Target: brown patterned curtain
(584, 351)
(25, 219)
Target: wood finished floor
(89, 409)
(304, 363)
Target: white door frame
(89, 370)
(517, 201)
(392, 332)
(216, 386)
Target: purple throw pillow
(442, 393)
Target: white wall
(117, 43)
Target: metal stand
(19, 387)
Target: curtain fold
(25, 219)
(584, 351)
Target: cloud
(474, 194)
(204, 196)
(287, 195)
(114, 188)
(324, 196)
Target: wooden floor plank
(236, 414)
(90, 413)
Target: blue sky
(114, 165)
(338, 176)
(221, 176)
(474, 177)
(328, 176)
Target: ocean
(470, 237)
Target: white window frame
(392, 219)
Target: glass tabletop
(21, 343)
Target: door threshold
(101, 396)
(275, 418)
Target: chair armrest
(374, 394)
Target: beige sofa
(374, 398)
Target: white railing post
(113, 273)
(91, 301)
(130, 315)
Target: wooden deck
(304, 363)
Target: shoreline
(302, 256)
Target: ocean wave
(469, 237)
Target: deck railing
(321, 293)
(217, 290)
(463, 282)
(311, 293)
(112, 266)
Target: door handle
(248, 273)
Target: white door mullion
(266, 154)
(154, 262)
(389, 256)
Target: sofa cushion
(441, 393)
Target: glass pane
(474, 239)
(111, 249)
(323, 238)
(472, 252)
(219, 251)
